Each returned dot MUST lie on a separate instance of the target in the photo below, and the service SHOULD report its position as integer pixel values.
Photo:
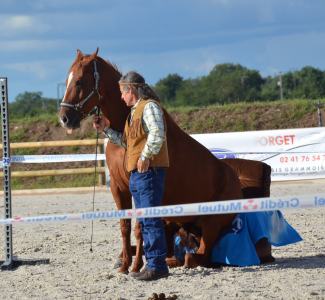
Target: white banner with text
(293, 154)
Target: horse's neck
(177, 137)
(112, 106)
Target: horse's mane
(114, 66)
(106, 62)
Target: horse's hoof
(190, 266)
(173, 262)
(190, 261)
(136, 269)
(118, 263)
(123, 270)
(267, 259)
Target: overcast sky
(39, 38)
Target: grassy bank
(247, 116)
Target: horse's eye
(78, 83)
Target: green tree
(167, 87)
(233, 83)
(32, 104)
(309, 83)
(270, 89)
(192, 92)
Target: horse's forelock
(79, 62)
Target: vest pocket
(134, 128)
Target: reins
(94, 190)
(96, 110)
(79, 108)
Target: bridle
(79, 106)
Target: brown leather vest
(136, 138)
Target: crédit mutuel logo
(250, 205)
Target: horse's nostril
(64, 119)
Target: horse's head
(82, 90)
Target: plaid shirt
(153, 125)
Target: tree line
(226, 83)
(231, 83)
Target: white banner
(55, 158)
(193, 209)
(292, 153)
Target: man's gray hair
(136, 81)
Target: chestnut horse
(255, 181)
(194, 175)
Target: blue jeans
(147, 190)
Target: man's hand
(100, 122)
(143, 165)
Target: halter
(79, 106)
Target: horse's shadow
(306, 262)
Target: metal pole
(10, 262)
(280, 85)
(319, 112)
(6, 173)
(107, 175)
(59, 87)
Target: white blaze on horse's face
(68, 84)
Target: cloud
(35, 69)
(284, 53)
(53, 6)
(19, 22)
(41, 70)
(188, 63)
(29, 45)
(13, 25)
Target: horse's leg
(213, 226)
(216, 222)
(170, 230)
(123, 201)
(264, 251)
(138, 249)
(118, 262)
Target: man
(145, 141)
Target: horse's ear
(94, 55)
(79, 54)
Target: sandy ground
(76, 273)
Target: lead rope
(94, 191)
